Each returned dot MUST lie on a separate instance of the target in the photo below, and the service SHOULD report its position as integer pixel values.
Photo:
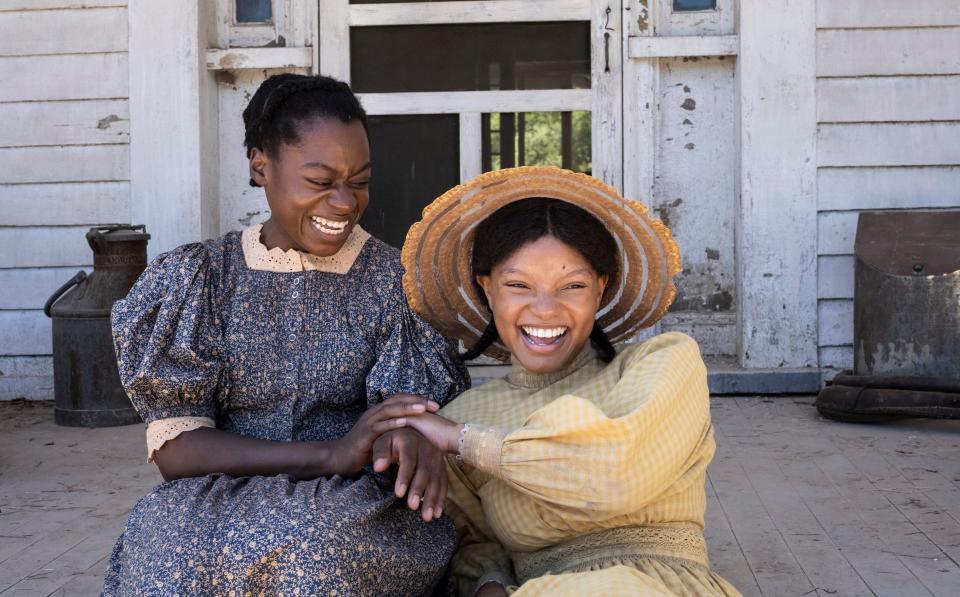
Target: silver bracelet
(460, 438)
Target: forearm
(205, 451)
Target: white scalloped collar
(259, 257)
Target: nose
(342, 200)
(544, 305)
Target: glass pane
(536, 139)
(254, 11)
(415, 160)
(692, 5)
(477, 57)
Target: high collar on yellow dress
(257, 256)
(519, 376)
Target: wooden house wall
(64, 146)
(888, 107)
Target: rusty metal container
(907, 289)
(87, 389)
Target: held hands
(354, 450)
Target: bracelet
(460, 438)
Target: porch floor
(797, 505)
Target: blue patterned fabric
(285, 357)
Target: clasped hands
(404, 430)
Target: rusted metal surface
(907, 294)
(87, 387)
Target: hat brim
(438, 249)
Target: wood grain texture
(83, 31)
(65, 77)
(62, 246)
(888, 188)
(889, 144)
(835, 322)
(74, 163)
(888, 99)
(499, 11)
(871, 52)
(858, 14)
(65, 204)
(89, 122)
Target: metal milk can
(87, 389)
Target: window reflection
(537, 139)
(254, 11)
(693, 5)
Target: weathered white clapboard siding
(71, 76)
(889, 144)
(888, 188)
(888, 112)
(19, 5)
(65, 204)
(30, 288)
(77, 163)
(889, 99)
(85, 122)
(28, 247)
(84, 31)
(31, 329)
(873, 52)
(66, 156)
(859, 14)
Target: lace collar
(519, 376)
(258, 257)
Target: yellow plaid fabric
(552, 458)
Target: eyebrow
(332, 169)
(514, 270)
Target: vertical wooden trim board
(173, 123)
(777, 260)
(606, 70)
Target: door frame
(175, 55)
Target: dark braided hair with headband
(284, 102)
(509, 228)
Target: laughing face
(317, 189)
(544, 298)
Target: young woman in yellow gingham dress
(582, 471)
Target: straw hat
(438, 250)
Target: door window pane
(536, 139)
(253, 11)
(693, 5)
(415, 160)
(476, 57)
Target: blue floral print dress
(229, 335)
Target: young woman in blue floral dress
(269, 366)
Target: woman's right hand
(353, 451)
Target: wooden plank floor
(797, 505)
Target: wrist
(455, 438)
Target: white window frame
(602, 99)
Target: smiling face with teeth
(544, 299)
(317, 189)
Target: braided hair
(284, 102)
(521, 222)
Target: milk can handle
(80, 277)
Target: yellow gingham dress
(588, 481)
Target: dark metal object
(87, 387)
(907, 289)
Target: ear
(258, 166)
(484, 282)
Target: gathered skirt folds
(632, 577)
(277, 536)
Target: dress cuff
(161, 431)
(501, 578)
(482, 447)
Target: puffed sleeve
(168, 345)
(591, 457)
(413, 358)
